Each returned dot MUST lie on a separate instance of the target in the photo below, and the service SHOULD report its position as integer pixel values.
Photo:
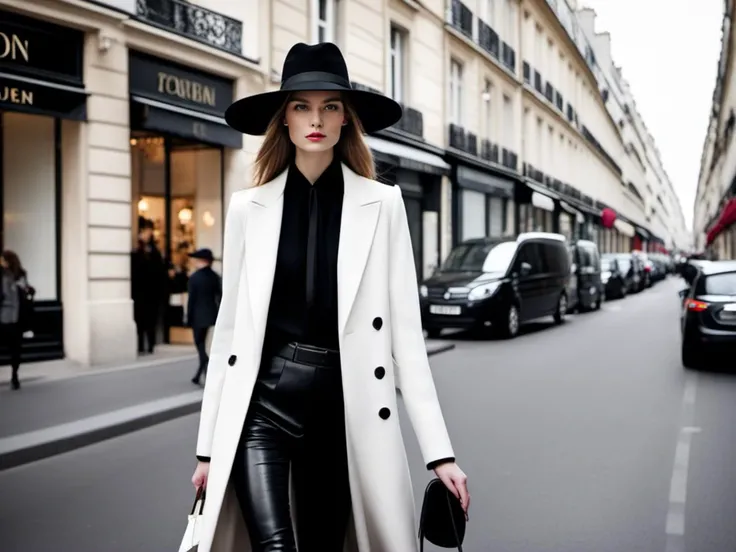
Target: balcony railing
(538, 81)
(457, 137)
(179, 16)
(488, 39)
(462, 18)
(471, 143)
(509, 159)
(508, 57)
(489, 151)
(549, 92)
(527, 69)
(594, 142)
(412, 122)
(559, 101)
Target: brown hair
(277, 150)
(14, 265)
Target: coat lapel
(263, 229)
(360, 209)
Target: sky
(668, 51)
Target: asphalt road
(587, 437)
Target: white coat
(377, 288)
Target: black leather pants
(295, 422)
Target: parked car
(586, 289)
(708, 320)
(614, 277)
(498, 284)
(646, 268)
(632, 270)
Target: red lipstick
(315, 136)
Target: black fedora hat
(204, 254)
(306, 68)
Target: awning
(483, 182)
(407, 157)
(42, 97)
(186, 123)
(579, 217)
(543, 202)
(624, 227)
(644, 234)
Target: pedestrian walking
(147, 276)
(16, 298)
(319, 324)
(205, 292)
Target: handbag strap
(201, 494)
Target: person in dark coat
(205, 292)
(147, 275)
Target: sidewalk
(63, 406)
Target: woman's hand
(456, 481)
(201, 473)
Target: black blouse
(292, 315)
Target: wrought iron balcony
(194, 22)
(457, 137)
(559, 101)
(489, 151)
(471, 143)
(549, 92)
(412, 122)
(538, 81)
(597, 145)
(527, 72)
(508, 57)
(488, 39)
(461, 18)
(509, 159)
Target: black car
(586, 286)
(614, 277)
(708, 319)
(499, 284)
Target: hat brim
(253, 114)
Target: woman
(319, 324)
(13, 285)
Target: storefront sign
(166, 82)
(40, 67)
(34, 48)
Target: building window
(323, 20)
(511, 22)
(487, 8)
(397, 65)
(456, 92)
(474, 214)
(508, 122)
(496, 216)
(488, 109)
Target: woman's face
(315, 120)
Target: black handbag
(26, 311)
(442, 521)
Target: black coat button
(232, 360)
(384, 413)
(377, 322)
(380, 372)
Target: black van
(586, 290)
(491, 282)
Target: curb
(17, 450)
(25, 448)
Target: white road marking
(675, 526)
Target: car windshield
(721, 284)
(624, 263)
(480, 257)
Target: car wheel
(598, 302)
(561, 311)
(512, 322)
(691, 354)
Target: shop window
(473, 215)
(29, 198)
(496, 222)
(178, 186)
